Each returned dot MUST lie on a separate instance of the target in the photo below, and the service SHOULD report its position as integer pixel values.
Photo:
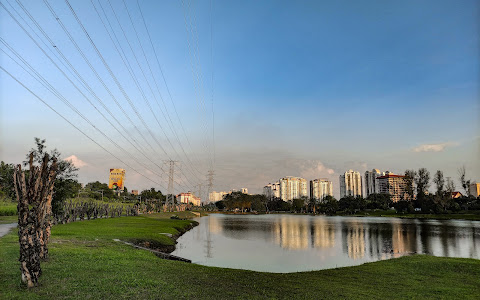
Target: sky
(254, 90)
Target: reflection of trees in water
(425, 238)
(247, 227)
(379, 239)
(444, 238)
(473, 250)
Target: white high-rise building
(293, 188)
(320, 188)
(216, 196)
(351, 184)
(244, 190)
(371, 182)
(272, 190)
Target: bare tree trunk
(34, 197)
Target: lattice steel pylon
(171, 174)
(210, 175)
(199, 189)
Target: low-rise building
(189, 197)
(394, 185)
(456, 195)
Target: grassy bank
(85, 262)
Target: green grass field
(7, 207)
(86, 263)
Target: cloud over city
(77, 162)
(433, 147)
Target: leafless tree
(34, 190)
(465, 182)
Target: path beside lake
(5, 228)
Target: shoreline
(162, 248)
(467, 217)
(85, 262)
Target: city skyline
(308, 89)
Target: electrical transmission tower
(199, 189)
(210, 175)
(171, 174)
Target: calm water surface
(292, 243)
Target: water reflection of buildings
(404, 240)
(354, 240)
(215, 225)
(323, 234)
(291, 233)
(303, 233)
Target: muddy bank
(164, 250)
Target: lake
(284, 243)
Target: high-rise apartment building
(371, 182)
(293, 188)
(272, 190)
(320, 188)
(351, 184)
(216, 196)
(395, 185)
(475, 189)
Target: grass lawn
(85, 263)
(8, 219)
(7, 207)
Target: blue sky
(302, 88)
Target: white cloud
(77, 162)
(314, 169)
(432, 147)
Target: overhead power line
(41, 78)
